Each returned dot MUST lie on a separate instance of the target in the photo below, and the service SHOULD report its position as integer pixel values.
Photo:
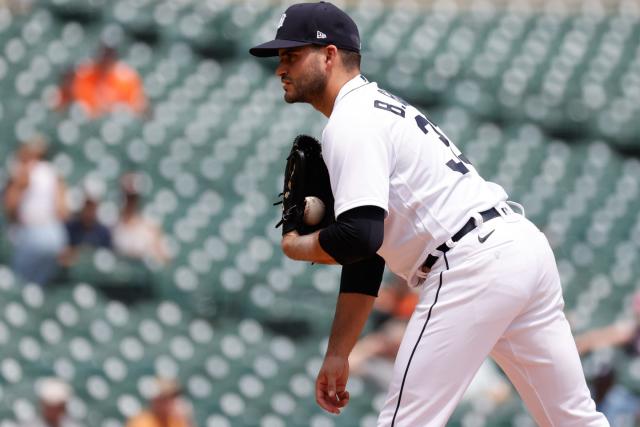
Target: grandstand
(542, 97)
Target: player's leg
(461, 315)
(539, 355)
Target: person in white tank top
(35, 203)
(405, 196)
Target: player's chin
(291, 97)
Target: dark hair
(350, 59)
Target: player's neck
(326, 103)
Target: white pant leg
(486, 287)
(469, 317)
(538, 354)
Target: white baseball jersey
(383, 152)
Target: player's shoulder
(372, 103)
(365, 111)
(356, 107)
(349, 120)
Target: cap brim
(271, 48)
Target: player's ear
(331, 55)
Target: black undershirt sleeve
(356, 235)
(363, 277)
(353, 241)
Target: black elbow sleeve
(363, 277)
(356, 235)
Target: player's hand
(288, 243)
(331, 393)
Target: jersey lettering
(399, 111)
(394, 97)
(457, 166)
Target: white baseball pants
(500, 298)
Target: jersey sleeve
(358, 160)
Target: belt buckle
(504, 209)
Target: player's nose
(280, 70)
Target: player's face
(300, 70)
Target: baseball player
(405, 196)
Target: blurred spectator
(167, 408)
(35, 203)
(488, 386)
(17, 6)
(84, 230)
(134, 235)
(392, 310)
(620, 405)
(103, 84)
(53, 395)
(625, 333)
(65, 91)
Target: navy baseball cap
(312, 23)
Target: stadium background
(543, 97)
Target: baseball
(313, 210)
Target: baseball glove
(305, 175)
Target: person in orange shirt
(167, 409)
(104, 84)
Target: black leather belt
(469, 226)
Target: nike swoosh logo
(482, 239)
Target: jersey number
(459, 161)
(458, 166)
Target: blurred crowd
(166, 406)
(49, 231)
(616, 398)
(45, 236)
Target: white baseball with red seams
(313, 210)
(496, 292)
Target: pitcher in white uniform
(405, 196)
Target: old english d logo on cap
(312, 23)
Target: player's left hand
(331, 393)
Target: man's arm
(356, 235)
(352, 311)
(608, 336)
(15, 190)
(12, 197)
(359, 286)
(305, 248)
(62, 210)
